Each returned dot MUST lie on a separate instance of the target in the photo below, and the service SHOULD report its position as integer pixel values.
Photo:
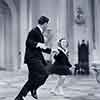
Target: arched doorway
(5, 33)
(8, 35)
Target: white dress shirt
(40, 28)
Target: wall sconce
(79, 19)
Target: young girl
(61, 66)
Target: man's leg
(28, 85)
(40, 76)
(24, 90)
(41, 80)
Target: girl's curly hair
(60, 40)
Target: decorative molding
(79, 19)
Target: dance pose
(34, 59)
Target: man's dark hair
(43, 20)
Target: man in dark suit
(34, 59)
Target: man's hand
(55, 51)
(41, 45)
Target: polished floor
(75, 87)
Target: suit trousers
(36, 77)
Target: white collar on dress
(65, 52)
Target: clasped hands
(43, 46)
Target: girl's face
(64, 44)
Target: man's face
(45, 25)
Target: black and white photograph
(49, 49)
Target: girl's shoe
(54, 92)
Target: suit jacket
(32, 53)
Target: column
(30, 16)
(2, 40)
(14, 33)
(23, 28)
(62, 19)
(69, 28)
(10, 55)
(96, 51)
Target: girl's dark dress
(61, 65)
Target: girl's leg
(58, 90)
(60, 84)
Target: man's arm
(31, 40)
(47, 50)
(50, 50)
